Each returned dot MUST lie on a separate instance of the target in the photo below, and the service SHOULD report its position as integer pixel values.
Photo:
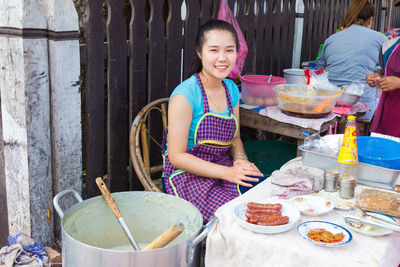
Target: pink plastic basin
(257, 91)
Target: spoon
(270, 78)
(322, 105)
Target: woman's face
(218, 54)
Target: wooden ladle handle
(108, 197)
(166, 237)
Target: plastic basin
(301, 100)
(379, 152)
(257, 91)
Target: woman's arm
(237, 151)
(237, 148)
(179, 120)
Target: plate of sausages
(267, 217)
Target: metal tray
(366, 174)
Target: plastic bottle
(348, 157)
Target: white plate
(287, 210)
(305, 227)
(374, 231)
(312, 205)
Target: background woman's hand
(371, 78)
(240, 171)
(389, 83)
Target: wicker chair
(141, 141)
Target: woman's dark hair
(212, 24)
(359, 12)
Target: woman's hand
(240, 171)
(389, 83)
(371, 78)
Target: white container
(294, 76)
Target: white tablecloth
(228, 244)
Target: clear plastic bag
(356, 88)
(226, 14)
(321, 81)
(316, 143)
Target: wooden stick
(166, 237)
(108, 197)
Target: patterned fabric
(392, 32)
(213, 139)
(23, 251)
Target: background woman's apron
(213, 138)
(387, 119)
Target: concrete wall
(40, 109)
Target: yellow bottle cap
(351, 117)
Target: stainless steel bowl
(347, 100)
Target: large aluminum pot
(294, 76)
(92, 237)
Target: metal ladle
(115, 210)
(161, 241)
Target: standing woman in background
(352, 53)
(386, 122)
(205, 160)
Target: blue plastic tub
(379, 152)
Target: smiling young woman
(204, 158)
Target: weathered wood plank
(3, 191)
(206, 10)
(252, 119)
(215, 8)
(191, 25)
(291, 17)
(249, 31)
(156, 72)
(241, 14)
(117, 112)
(137, 68)
(94, 115)
(259, 39)
(276, 37)
(268, 37)
(174, 41)
(287, 33)
(156, 57)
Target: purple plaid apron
(213, 138)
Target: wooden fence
(129, 65)
(395, 22)
(324, 17)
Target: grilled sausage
(259, 206)
(274, 221)
(250, 214)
